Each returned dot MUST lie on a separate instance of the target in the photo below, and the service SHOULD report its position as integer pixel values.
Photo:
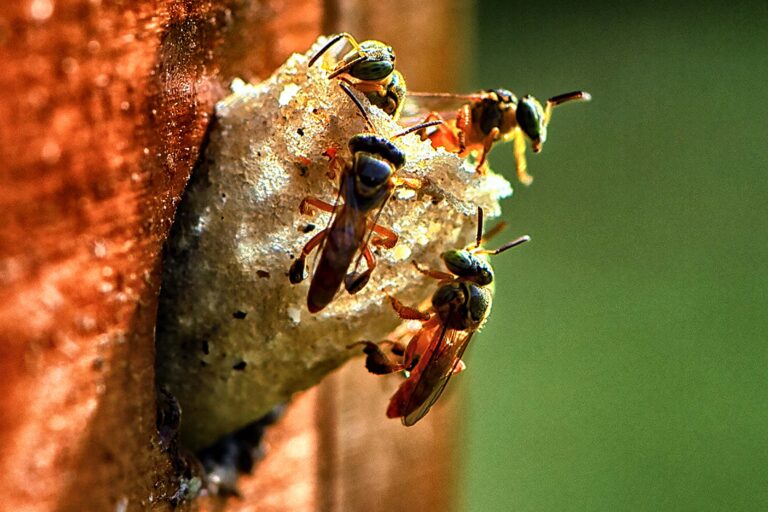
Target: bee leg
(387, 238)
(418, 345)
(461, 140)
(407, 313)
(444, 136)
(548, 112)
(296, 273)
(335, 166)
(397, 348)
(464, 126)
(520, 162)
(376, 361)
(493, 135)
(436, 274)
(366, 86)
(309, 202)
(355, 281)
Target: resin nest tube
(234, 336)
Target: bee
(365, 185)
(370, 68)
(490, 116)
(460, 306)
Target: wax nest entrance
(234, 336)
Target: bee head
(377, 145)
(503, 95)
(530, 119)
(378, 64)
(478, 305)
(467, 265)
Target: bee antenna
(563, 98)
(479, 236)
(569, 96)
(358, 104)
(508, 245)
(327, 46)
(417, 128)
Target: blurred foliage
(625, 363)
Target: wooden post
(104, 109)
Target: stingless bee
(487, 117)
(460, 306)
(365, 185)
(370, 68)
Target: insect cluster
(462, 301)
(330, 172)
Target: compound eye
(458, 262)
(372, 174)
(479, 303)
(485, 277)
(373, 70)
(371, 180)
(530, 119)
(378, 64)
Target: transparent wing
(436, 373)
(369, 233)
(337, 206)
(419, 104)
(345, 223)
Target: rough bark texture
(104, 107)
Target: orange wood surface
(104, 106)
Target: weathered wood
(104, 108)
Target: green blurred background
(625, 365)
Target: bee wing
(436, 373)
(337, 205)
(369, 233)
(419, 104)
(346, 221)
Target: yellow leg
(548, 112)
(482, 166)
(520, 162)
(366, 86)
